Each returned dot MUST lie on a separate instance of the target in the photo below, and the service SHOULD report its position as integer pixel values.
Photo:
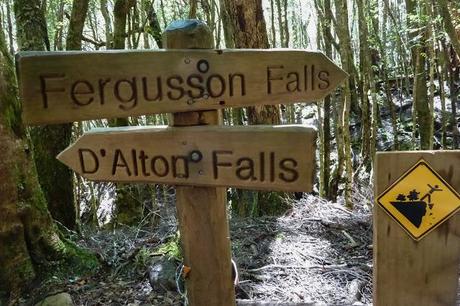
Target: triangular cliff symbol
(413, 208)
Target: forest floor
(318, 253)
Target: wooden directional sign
(59, 87)
(258, 157)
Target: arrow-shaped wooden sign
(256, 157)
(59, 87)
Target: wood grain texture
(407, 272)
(256, 157)
(58, 87)
(205, 240)
(202, 211)
(196, 118)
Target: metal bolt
(195, 156)
(202, 66)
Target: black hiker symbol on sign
(413, 208)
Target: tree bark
(449, 26)
(454, 78)
(384, 74)
(27, 233)
(285, 24)
(59, 31)
(272, 23)
(344, 123)
(107, 23)
(421, 108)
(227, 25)
(280, 22)
(48, 141)
(366, 75)
(76, 24)
(154, 23)
(10, 26)
(129, 198)
(325, 144)
(249, 31)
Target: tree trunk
(431, 55)
(154, 23)
(192, 11)
(325, 144)
(421, 108)
(249, 31)
(64, 211)
(343, 33)
(443, 76)
(128, 202)
(272, 23)
(48, 141)
(76, 24)
(27, 234)
(59, 31)
(448, 26)
(366, 76)
(107, 23)
(285, 24)
(10, 26)
(454, 78)
(347, 63)
(280, 22)
(384, 74)
(227, 25)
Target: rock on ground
(61, 299)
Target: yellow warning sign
(420, 200)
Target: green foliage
(76, 262)
(245, 203)
(171, 248)
(143, 258)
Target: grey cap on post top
(188, 34)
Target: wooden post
(407, 272)
(202, 212)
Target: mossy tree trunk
(130, 197)
(421, 108)
(346, 57)
(454, 78)
(366, 75)
(249, 30)
(448, 25)
(48, 141)
(324, 109)
(154, 23)
(73, 42)
(27, 234)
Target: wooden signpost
(59, 87)
(414, 197)
(258, 157)
(192, 83)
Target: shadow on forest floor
(317, 254)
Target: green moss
(80, 260)
(76, 262)
(172, 249)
